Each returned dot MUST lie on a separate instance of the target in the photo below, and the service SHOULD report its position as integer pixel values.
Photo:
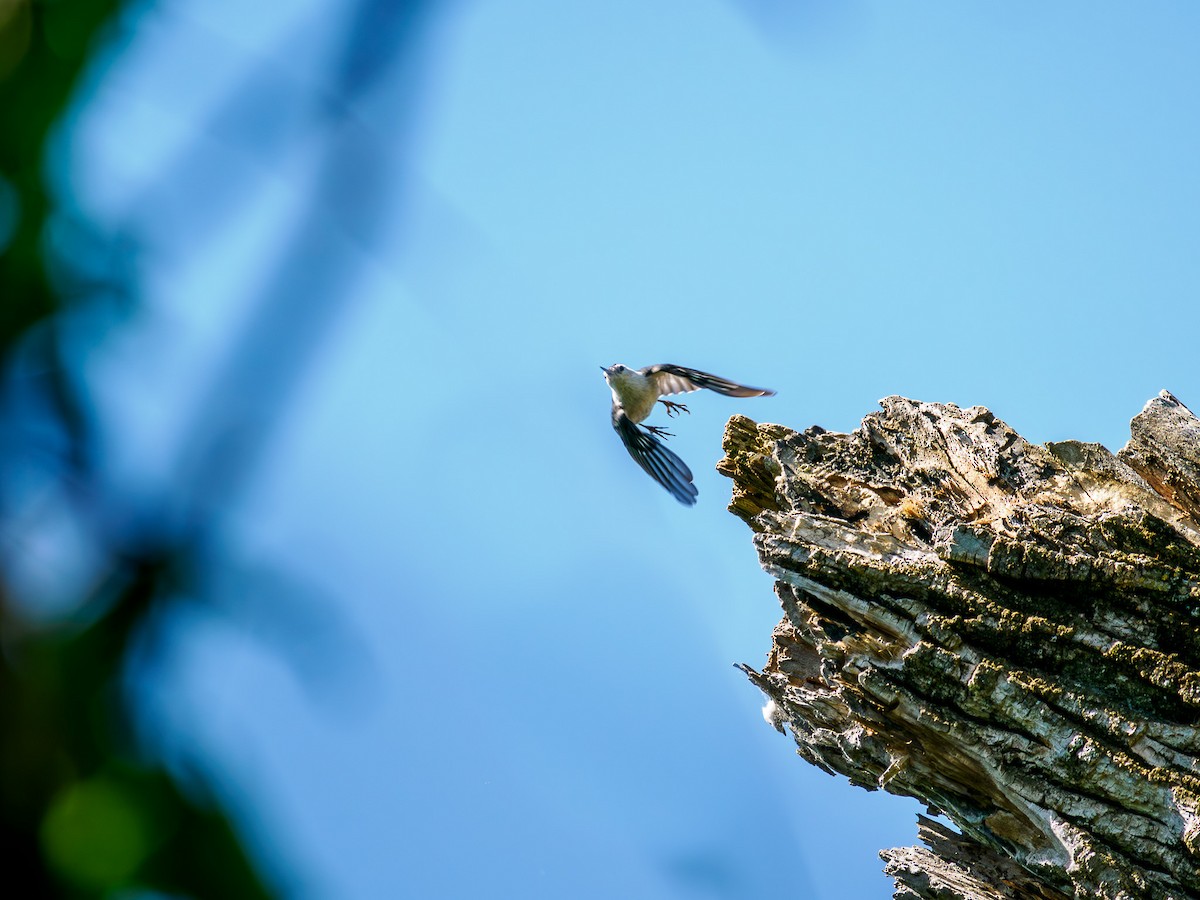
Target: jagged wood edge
(1161, 455)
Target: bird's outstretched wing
(669, 379)
(652, 455)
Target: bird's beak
(604, 369)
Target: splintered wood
(1008, 632)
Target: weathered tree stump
(1008, 632)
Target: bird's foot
(659, 431)
(673, 409)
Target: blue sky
(513, 670)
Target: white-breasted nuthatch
(635, 393)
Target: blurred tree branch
(82, 811)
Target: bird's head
(616, 370)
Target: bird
(635, 393)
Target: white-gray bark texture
(1008, 632)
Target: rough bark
(1005, 631)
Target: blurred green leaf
(44, 47)
(97, 833)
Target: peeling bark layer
(952, 866)
(1007, 632)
